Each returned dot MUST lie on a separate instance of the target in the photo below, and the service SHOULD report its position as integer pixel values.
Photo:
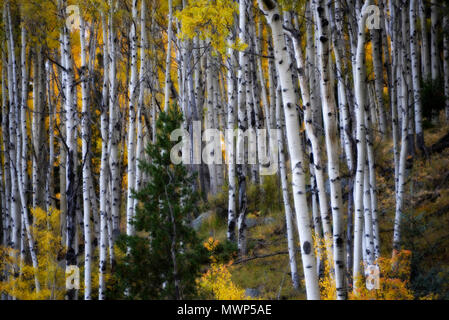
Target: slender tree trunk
(168, 57)
(242, 76)
(232, 104)
(71, 145)
(296, 148)
(435, 52)
(446, 64)
(379, 79)
(285, 195)
(360, 93)
(86, 172)
(114, 128)
(425, 57)
(132, 123)
(104, 164)
(416, 76)
(332, 147)
(316, 161)
(13, 129)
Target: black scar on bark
(320, 10)
(276, 17)
(339, 242)
(269, 4)
(307, 247)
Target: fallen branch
(262, 256)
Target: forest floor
(425, 225)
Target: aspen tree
(242, 75)
(168, 57)
(434, 51)
(86, 172)
(318, 168)
(416, 76)
(401, 178)
(70, 114)
(131, 144)
(114, 126)
(332, 146)
(425, 56)
(446, 65)
(230, 142)
(360, 93)
(285, 193)
(295, 146)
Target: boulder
(252, 293)
(198, 222)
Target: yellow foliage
(394, 280)
(51, 274)
(216, 283)
(211, 20)
(327, 282)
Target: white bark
(368, 226)
(315, 144)
(104, 165)
(168, 57)
(242, 76)
(401, 175)
(332, 147)
(141, 106)
(114, 126)
(360, 93)
(376, 47)
(296, 148)
(13, 129)
(86, 172)
(132, 123)
(230, 145)
(416, 75)
(71, 145)
(285, 194)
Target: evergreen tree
(163, 258)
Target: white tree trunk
(168, 57)
(332, 147)
(114, 127)
(71, 145)
(230, 145)
(416, 75)
(103, 184)
(141, 106)
(285, 194)
(315, 143)
(379, 79)
(360, 94)
(13, 129)
(132, 123)
(400, 178)
(242, 76)
(296, 148)
(86, 172)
